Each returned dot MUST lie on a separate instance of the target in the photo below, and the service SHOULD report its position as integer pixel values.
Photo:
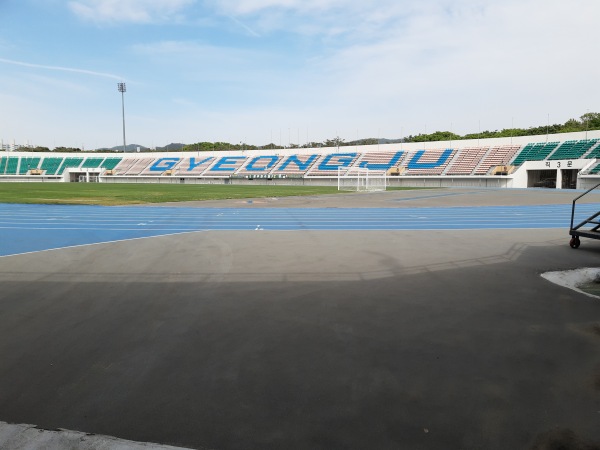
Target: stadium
(561, 161)
(288, 224)
(378, 319)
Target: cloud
(241, 68)
(441, 60)
(485, 58)
(132, 11)
(253, 6)
(191, 53)
(244, 26)
(62, 69)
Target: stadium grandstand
(561, 161)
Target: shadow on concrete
(472, 356)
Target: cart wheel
(574, 242)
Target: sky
(290, 71)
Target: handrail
(573, 208)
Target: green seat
(92, 163)
(69, 163)
(28, 164)
(111, 163)
(11, 167)
(51, 165)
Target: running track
(30, 228)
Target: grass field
(131, 194)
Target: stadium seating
(193, 166)
(51, 165)
(261, 165)
(295, 165)
(11, 166)
(479, 161)
(27, 164)
(534, 152)
(465, 161)
(125, 164)
(69, 163)
(139, 165)
(380, 160)
(572, 149)
(438, 159)
(327, 165)
(110, 163)
(595, 151)
(92, 163)
(595, 169)
(496, 156)
(224, 166)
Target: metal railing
(589, 219)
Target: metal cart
(578, 230)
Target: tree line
(588, 121)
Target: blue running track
(30, 228)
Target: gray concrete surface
(30, 437)
(411, 199)
(321, 340)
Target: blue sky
(289, 71)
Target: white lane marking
(102, 243)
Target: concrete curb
(573, 278)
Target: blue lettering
(194, 164)
(164, 164)
(389, 165)
(301, 165)
(273, 160)
(414, 164)
(227, 160)
(344, 160)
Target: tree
(591, 121)
(335, 142)
(67, 149)
(312, 145)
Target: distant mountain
(132, 148)
(372, 141)
(173, 147)
(177, 146)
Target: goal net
(361, 179)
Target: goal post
(361, 179)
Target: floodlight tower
(122, 89)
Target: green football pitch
(138, 193)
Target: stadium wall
(428, 164)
